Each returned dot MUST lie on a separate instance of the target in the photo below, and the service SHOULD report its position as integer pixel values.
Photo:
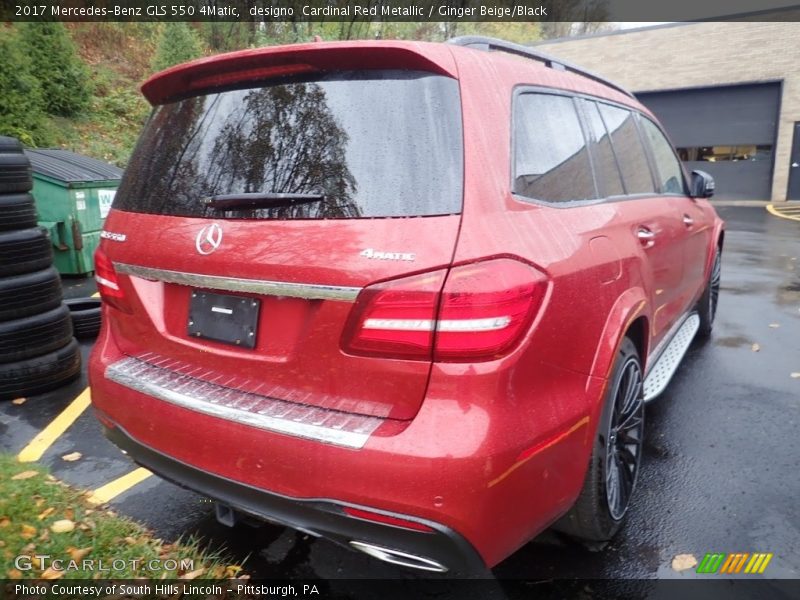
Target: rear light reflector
(477, 311)
(386, 519)
(107, 282)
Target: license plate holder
(224, 318)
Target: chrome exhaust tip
(396, 557)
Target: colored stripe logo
(733, 563)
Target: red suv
(411, 297)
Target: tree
(63, 77)
(177, 43)
(22, 112)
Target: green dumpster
(73, 196)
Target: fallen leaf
(5, 521)
(795, 375)
(46, 513)
(69, 513)
(2, 544)
(51, 573)
(25, 475)
(77, 554)
(681, 562)
(755, 347)
(14, 574)
(774, 325)
(130, 540)
(232, 570)
(193, 574)
(62, 526)
(19, 401)
(72, 456)
(28, 531)
(28, 548)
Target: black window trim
(521, 89)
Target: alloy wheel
(624, 442)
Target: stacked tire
(37, 349)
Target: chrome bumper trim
(298, 420)
(307, 291)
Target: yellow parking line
(96, 295)
(39, 445)
(777, 212)
(113, 489)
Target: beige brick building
(728, 94)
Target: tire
(603, 502)
(17, 211)
(41, 373)
(35, 335)
(85, 316)
(9, 145)
(707, 305)
(24, 251)
(29, 294)
(15, 173)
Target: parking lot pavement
(719, 472)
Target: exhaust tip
(396, 557)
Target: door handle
(646, 236)
(688, 221)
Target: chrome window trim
(307, 291)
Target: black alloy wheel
(624, 439)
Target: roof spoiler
(259, 64)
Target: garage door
(727, 131)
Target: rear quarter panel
(596, 290)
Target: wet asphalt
(719, 473)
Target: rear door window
(609, 180)
(628, 148)
(669, 171)
(370, 143)
(551, 160)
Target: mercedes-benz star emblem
(208, 239)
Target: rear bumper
(487, 471)
(319, 517)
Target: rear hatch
(251, 217)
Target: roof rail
(486, 43)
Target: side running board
(667, 362)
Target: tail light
(475, 312)
(107, 282)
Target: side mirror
(702, 185)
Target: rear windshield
(373, 143)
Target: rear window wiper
(259, 199)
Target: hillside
(118, 56)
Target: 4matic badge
(381, 255)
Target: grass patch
(39, 516)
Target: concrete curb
(740, 202)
